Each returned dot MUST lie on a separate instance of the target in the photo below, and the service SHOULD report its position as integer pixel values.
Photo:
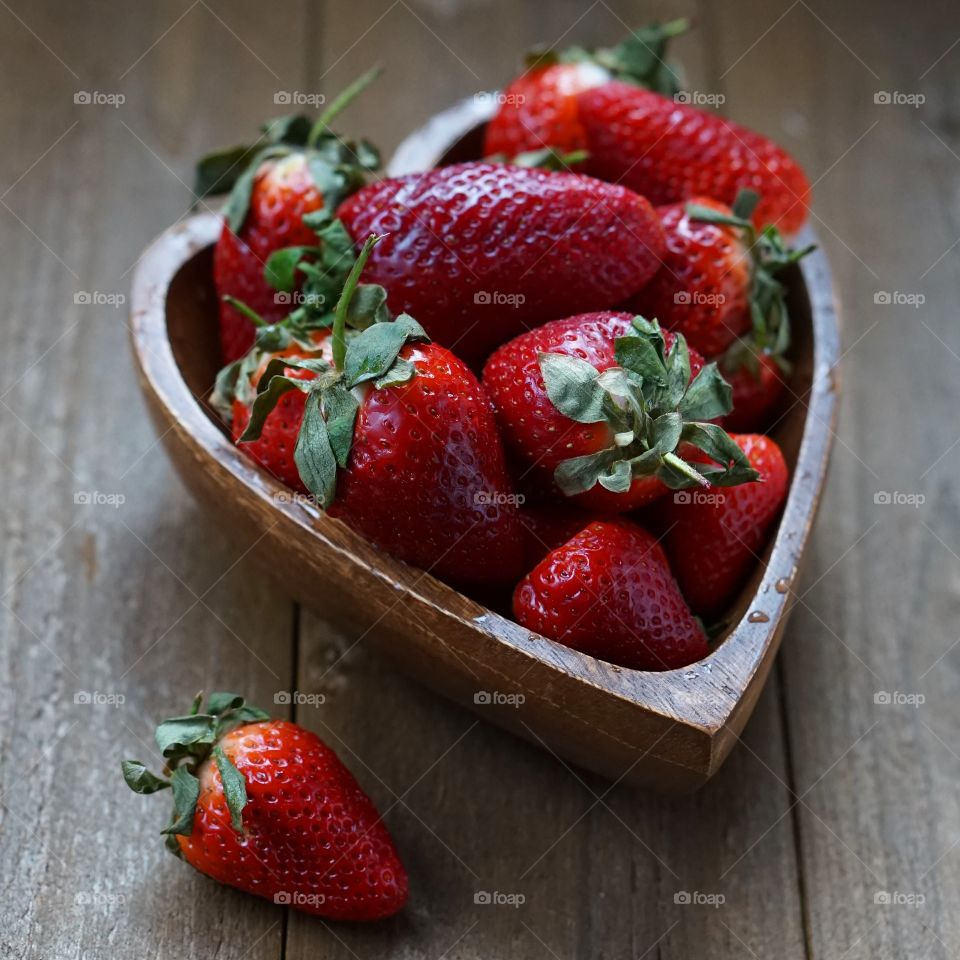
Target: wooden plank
(144, 600)
(877, 813)
(474, 810)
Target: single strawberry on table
(713, 539)
(479, 252)
(609, 592)
(655, 144)
(389, 432)
(296, 169)
(614, 409)
(264, 805)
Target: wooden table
(114, 584)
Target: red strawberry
(649, 140)
(668, 151)
(479, 252)
(296, 169)
(540, 107)
(393, 434)
(265, 806)
(608, 405)
(608, 592)
(758, 386)
(703, 288)
(715, 538)
(719, 276)
(546, 527)
(282, 193)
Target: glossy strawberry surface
(608, 592)
(540, 106)
(426, 478)
(480, 252)
(715, 538)
(538, 434)
(283, 192)
(669, 151)
(312, 839)
(702, 290)
(757, 395)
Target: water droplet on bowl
(758, 616)
(782, 585)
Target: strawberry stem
(338, 338)
(340, 102)
(251, 315)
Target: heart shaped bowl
(670, 731)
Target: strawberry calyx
(547, 158)
(640, 58)
(652, 410)
(769, 255)
(367, 354)
(338, 167)
(186, 742)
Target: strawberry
(479, 252)
(669, 151)
(297, 169)
(623, 108)
(390, 433)
(539, 108)
(548, 526)
(264, 805)
(608, 592)
(714, 538)
(758, 384)
(719, 274)
(610, 406)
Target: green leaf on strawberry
(652, 412)
(770, 256)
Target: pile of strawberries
(518, 374)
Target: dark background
(832, 800)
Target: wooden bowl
(670, 730)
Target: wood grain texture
(877, 812)
(144, 600)
(877, 809)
